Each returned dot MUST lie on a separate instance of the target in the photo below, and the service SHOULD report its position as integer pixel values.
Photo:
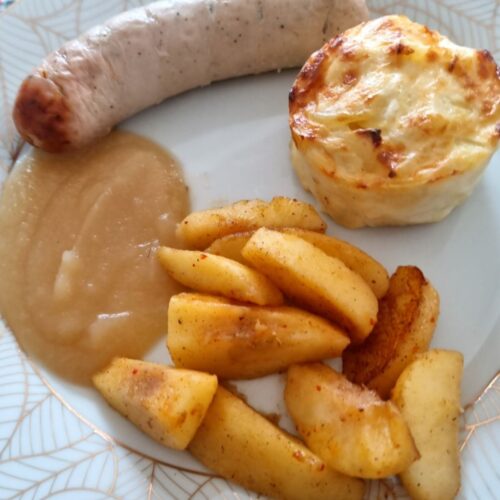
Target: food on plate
(393, 124)
(80, 282)
(241, 341)
(243, 446)
(215, 274)
(200, 229)
(355, 259)
(141, 57)
(314, 280)
(428, 395)
(406, 322)
(166, 403)
(243, 331)
(347, 425)
(230, 246)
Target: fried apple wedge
(348, 426)
(215, 274)
(314, 280)
(166, 403)
(200, 229)
(240, 341)
(406, 322)
(356, 260)
(243, 446)
(230, 246)
(428, 395)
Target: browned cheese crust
(392, 123)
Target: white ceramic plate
(63, 441)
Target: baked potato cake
(393, 124)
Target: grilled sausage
(143, 56)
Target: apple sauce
(79, 278)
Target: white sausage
(143, 56)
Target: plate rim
(16, 152)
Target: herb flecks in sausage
(81, 91)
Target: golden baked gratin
(393, 124)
